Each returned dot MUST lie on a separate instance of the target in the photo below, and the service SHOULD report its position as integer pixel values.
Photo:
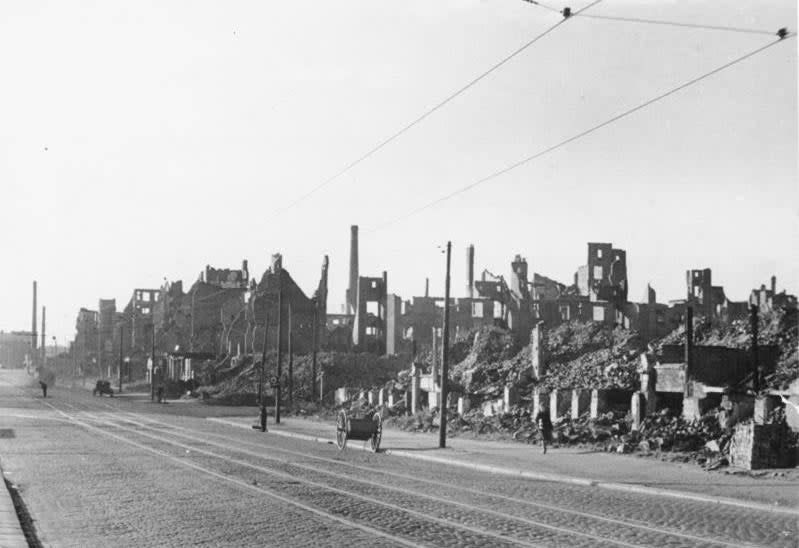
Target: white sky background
(175, 129)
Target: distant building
(15, 349)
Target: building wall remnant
(768, 299)
(277, 286)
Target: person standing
(44, 388)
(544, 423)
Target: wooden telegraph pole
(314, 341)
(291, 361)
(442, 432)
(279, 348)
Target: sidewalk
(571, 465)
(11, 535)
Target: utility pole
(314, 341)
(442, 432)
(291, 361)
(119, 368)
(44, 340)
(753, 319)
(279, 346)
(34, 341)
(152, 364)
(261, 399)
(689, 348)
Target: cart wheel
(341, 430)
(378, 433)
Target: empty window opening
(597, 272)
(599, 314)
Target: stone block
(493, 407)
(755, 446)
(433, 399)
(580, 402)
(736, 408)
(792, 413)
(763, 406)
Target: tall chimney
(33, 325)
(470, 271)
(352, 297)
(427, 287)
(689, 347)
(773, 285)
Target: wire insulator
(567, 12)
(782, 33)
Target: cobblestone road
(100, 472)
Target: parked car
(103, 387)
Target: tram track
(655, 536)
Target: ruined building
(194, 321)
(298, 319)
(366, 299)
(85, 345)
(767, 300)
(106, 326)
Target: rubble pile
(592, 355)
(493, 362)
(240, 381)
(777, 327)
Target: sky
(141, 141)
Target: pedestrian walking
(544, 423)
(44, 388)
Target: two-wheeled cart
(365, 429)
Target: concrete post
(381, 397)
(391, 401)
(580, 402)
(464, 404)
(371, 396)
(636, 409)
(434, 358)
(415, 389)
(511, 397)
(599, 403)
(558, 404)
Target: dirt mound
(236, 379)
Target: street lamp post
(119, 369)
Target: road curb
(11, 533)
(558, 478)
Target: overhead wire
(579, 135)
(641, 20)
(429, 112)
